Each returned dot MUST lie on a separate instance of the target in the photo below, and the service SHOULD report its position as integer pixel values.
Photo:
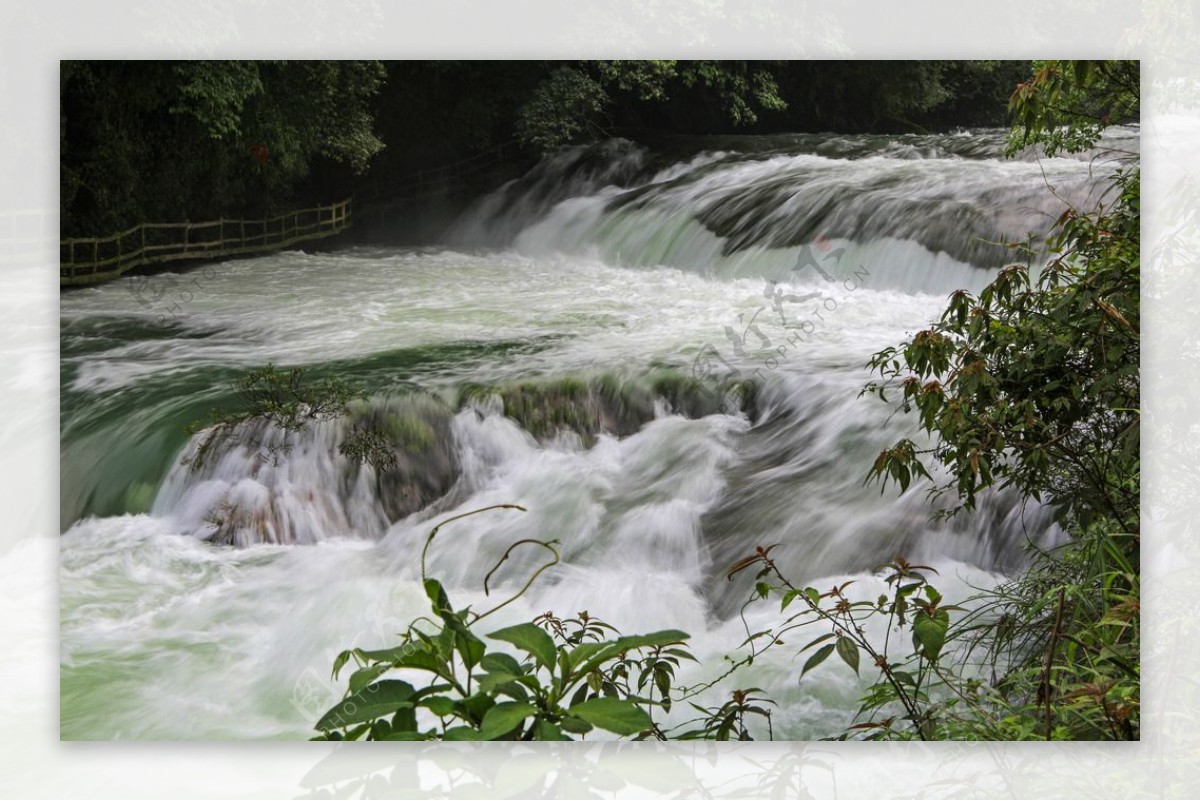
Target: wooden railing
(91, 260)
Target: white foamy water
(166, 635)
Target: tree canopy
(152, 141)
(165, 141)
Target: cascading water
(659, 356)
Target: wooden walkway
(92, 260)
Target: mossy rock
(409, 431)
(417, 429)
(608, 403)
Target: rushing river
(658, 356)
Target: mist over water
(699, 323)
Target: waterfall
(658, 354)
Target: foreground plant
(913, 686)
(573, 675)
(1034, 386)
(570, 675)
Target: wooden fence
(91, 260)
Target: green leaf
(478, 704)
(514, 691)
(818, 640)
(364, 676)
(654, 640)
(546, 730)
(439, 705)
(531, 639)
(470, 648)
(575, 725)
(613, 714)
(929, 633)
(422, 658)
(820, 656)
(788, 597)
(460, 733)
(585, 651)
(437, 595)
(438, 598)
(388, 654)
(662, 680)
(848, 651)
(340, 662)
(372, 702)
(490, 681)
(503, 718)
(500, 663)
(405, 718)
(408, 736)
(358, 731)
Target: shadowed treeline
(158, 141)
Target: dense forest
(155, 141)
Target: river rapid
(658, 355)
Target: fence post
(290, 229)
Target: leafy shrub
(571, 677)
(1035, 385)
(289, 403)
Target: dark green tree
(578, 100)
(1035, 382)
(164, 141)
(1034, 385)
